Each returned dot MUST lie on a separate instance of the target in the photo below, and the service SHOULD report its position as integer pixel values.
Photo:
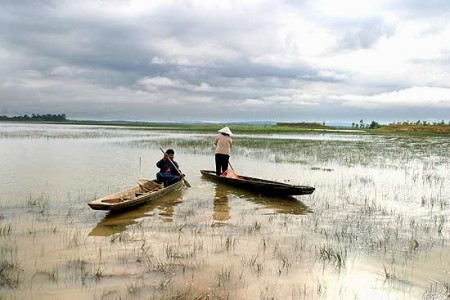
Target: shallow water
(377, 226)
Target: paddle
(179, 172)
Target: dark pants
(221, 163)
(167, 178)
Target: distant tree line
(361, 124)
(303, 124)
(36, 117)
(422, 123)
(374, 125)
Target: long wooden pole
(229, 163)
(179, 172)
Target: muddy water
(377, 226)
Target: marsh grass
(10, 269)
(81, 272)
(40, 205)
(5, 230)
(51, 275)
(437, 290)
(332, 255)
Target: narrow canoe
(144, 192)
(260, 186)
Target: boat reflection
(281, 205)
(221, 210)
(116, 222)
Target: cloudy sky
(164, 60)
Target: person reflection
(221, 206)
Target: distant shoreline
(242, 127)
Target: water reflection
(116, 222)
(281, 205)
(221, 206)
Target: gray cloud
(364, 35)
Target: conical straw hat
(225, 130)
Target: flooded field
(376, 227)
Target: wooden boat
(260, 186)
(144, 192)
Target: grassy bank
(434, 129)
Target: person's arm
(160, 163)
(216, 140)
(175, 170)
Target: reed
(5, 230)
(11, 272)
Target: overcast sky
(311, 60)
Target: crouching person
(168, 173)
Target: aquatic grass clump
(52, 275)
(437, 290)
(9, 274)
(163, 266)
(10, 269)
(255, 264)
(40, 204)
(329, 254)
(223, 277)
(82, 272)
(169, 290)
(73, 238)
(283, 258)
(5, 230)
(230, 244)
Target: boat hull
(260, 186)
(134, 196)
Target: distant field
(269, 128)
(435, 129)
(277, 128)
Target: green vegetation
(413, 128)
(36, 118)
(406, 127)
(10, 271)
(241, 127)
(302, 127)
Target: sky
(223, 61)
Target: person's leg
(172, 179)
(159, 177)
(218, 164)
(167, 178)
(225, 163)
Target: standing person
(223, 143)
(167, 172)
